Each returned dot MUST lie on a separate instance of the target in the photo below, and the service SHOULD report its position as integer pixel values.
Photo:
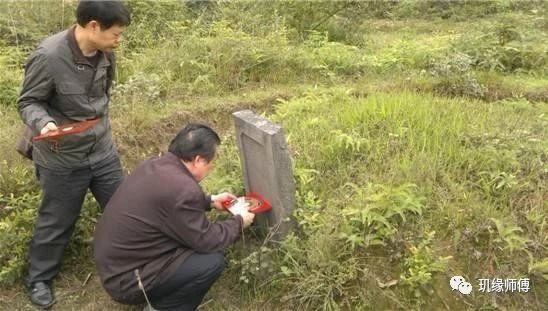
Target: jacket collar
(173, 158)
(77, 54)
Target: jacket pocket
(71, 88)
(72, 99)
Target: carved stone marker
(266, 167)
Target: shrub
(376, 212)
(402, 56)
(9, 92)
(154, 21)
(334, 57)
(24, 23)
(11, 58)
(16, 226)
(317, 273)
(505, 47)
(16, 179)
(455, 76)
(421, 264)
(508, 237)
(17, 220)
(140, 88)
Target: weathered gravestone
(266, 167)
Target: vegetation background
(418, 131)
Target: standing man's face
(105, 39)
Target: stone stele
(266, 166)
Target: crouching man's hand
(218, 199)
(217, 202)
(247, 218)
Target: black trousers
(186, 288)
(63, 194)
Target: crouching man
(155, 231)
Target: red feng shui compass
(257, 203)
(67, 129)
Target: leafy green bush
(24, 23)
(255, 266)
(308, 211)
(16, 226)
(455, 76)
(317, 273)
(416, 161)
(17, 218)
(508, 236)
(225, 59)
(305, 16)
(17, 179)
(505, 47)
(227, 173)
(12, 59)
(402, 56)
(376, 213)
(457, 9)
(421, 264)
(239, 58)
(139, 88)
(328, 58)
(154, 21)
(20, 199)
(9, 92)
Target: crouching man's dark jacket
(153, 222)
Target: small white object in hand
(239, 206)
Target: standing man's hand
(50, 126)
(218, 199)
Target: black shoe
(41, 295)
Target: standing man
(155, 229)
(67, 79)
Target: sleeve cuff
(240, 221)
(208, 200)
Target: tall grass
(461, 175)
(398, 186)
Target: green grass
(470, 161)
(413, 163)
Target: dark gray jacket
(60, 85)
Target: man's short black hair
(195, 139)
(107, 13)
